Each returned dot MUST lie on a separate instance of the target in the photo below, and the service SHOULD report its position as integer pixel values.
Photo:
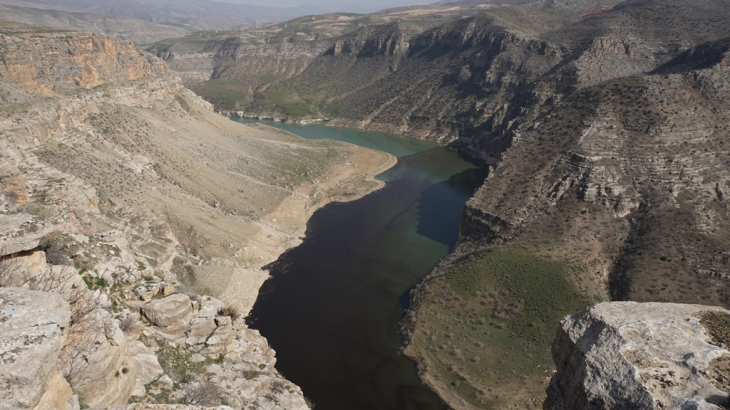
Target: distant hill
(145, 22)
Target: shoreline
(284, 228)
(450, 399)
(327, 122)
(407, 326)
(443, 392)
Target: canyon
(604, 127)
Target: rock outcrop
(627, 355)
(93, 360)
(607, 144)
(34, 327)
(233, 68)
(371, 41)
(164, 312)
(222, 357)
(63, 62)
(255, 58)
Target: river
(332, 307)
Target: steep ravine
(531, 93)
(606, 137)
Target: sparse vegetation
(486, 323)
(717, 325)
(176, 361)
(229, 311)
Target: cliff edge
(627, 355)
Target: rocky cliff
(615, 176)
(241, 63)
(125, 198)
(235, 69)
(643, 356)
(371, 41)
(640, 160)
(65, 61)
(605, 142)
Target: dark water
(332, 308)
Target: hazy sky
(334, 5)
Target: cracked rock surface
(638, 355)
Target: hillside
(604, 126)
(145, 22)
(127, 198)
(231, 68)
(125, 28)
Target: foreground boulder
(34, 328)
(627, 355)
(167, 311)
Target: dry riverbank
(348, 179)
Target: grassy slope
(486, 322)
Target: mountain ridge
(145, 23)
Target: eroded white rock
(167, 311)
(148, 367)
(628, 355)
(33, 328)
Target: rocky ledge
(60, 347)
(627, 355)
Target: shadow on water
(332, 307)
(437, 214)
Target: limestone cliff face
(385, 40)
(453, 83)
(647, 356)
(244, 61)
(50, 63)
(642, 159)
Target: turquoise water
(333, 305)
(396, 145)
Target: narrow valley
(472, 204)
